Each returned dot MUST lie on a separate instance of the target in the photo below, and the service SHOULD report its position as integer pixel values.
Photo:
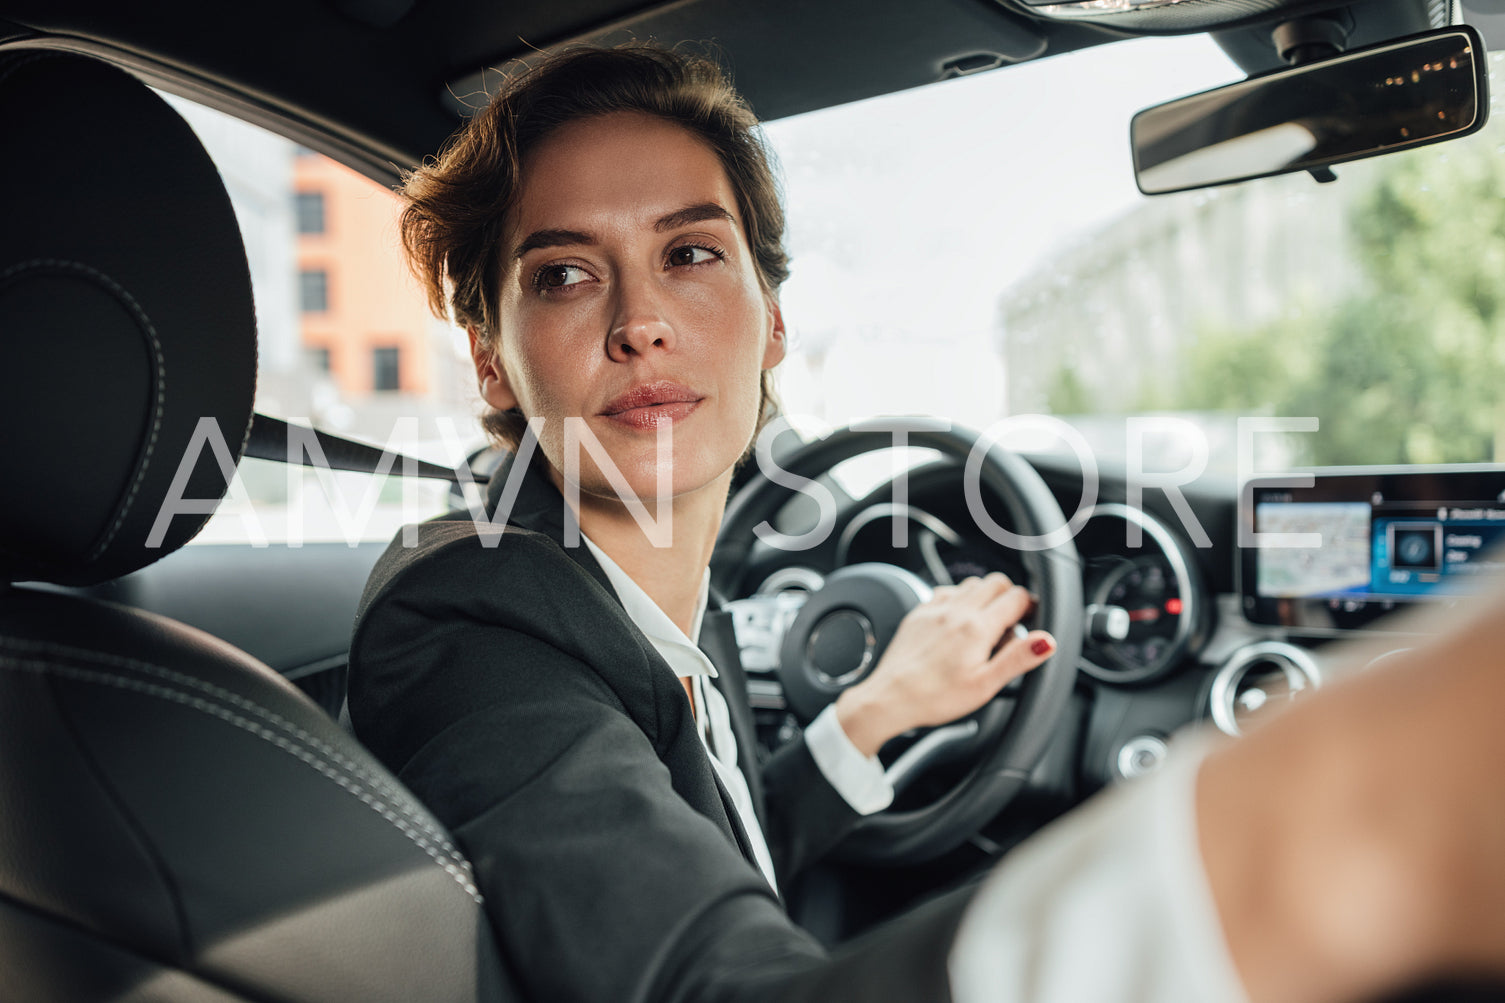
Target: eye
(551, 277)
(693, 254)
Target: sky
(904, 183)
(909, 215)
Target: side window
(346, 343)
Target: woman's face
(630, 301)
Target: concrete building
(1117, 309)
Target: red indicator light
(1173, 606)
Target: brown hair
(452, 225)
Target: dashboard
(1174, 634)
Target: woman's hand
(944, 662)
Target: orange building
(364, 319)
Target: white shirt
(1109, 903)
(857, 778)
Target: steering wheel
(854, 614)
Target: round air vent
(1140, 755)
(1258, 679)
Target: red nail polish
(1040, 646)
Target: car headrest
(126, 320)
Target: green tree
(1408, 369)
(1067, 393)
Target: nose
(639, 323)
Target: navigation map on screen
(1340, 565)
(1387, 539)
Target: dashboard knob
(1107, 623)
(1141, 755)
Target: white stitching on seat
(359, 772)
(157, 359)
(461, 874)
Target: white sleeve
(857, 778)
(1109, 904)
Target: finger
(1018, 656)
(1008, 608)
(944, 594)
(941, 593)
(984, 591)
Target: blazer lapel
(538, 506)
(734, 820)
(718, 640)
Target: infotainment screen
(1358, 543)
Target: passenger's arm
(1356, 843)
(1348, 848)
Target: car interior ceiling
(377, 83)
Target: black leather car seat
(177, 822)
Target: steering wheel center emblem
(841, 647)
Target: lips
(650, 405)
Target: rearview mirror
(1387, 97)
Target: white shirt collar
(672, 643)
(712, 718)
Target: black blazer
(499, 677)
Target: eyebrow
(699, 213)
(552, 238)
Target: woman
(609, 232)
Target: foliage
(1409, 367)
(1067, 392)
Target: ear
(773, 351)
(496, 389)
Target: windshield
(974, 249)
(978, 249)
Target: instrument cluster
(1146, 607)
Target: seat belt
(273, 439)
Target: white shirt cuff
(1109, 904)
(857, 778)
